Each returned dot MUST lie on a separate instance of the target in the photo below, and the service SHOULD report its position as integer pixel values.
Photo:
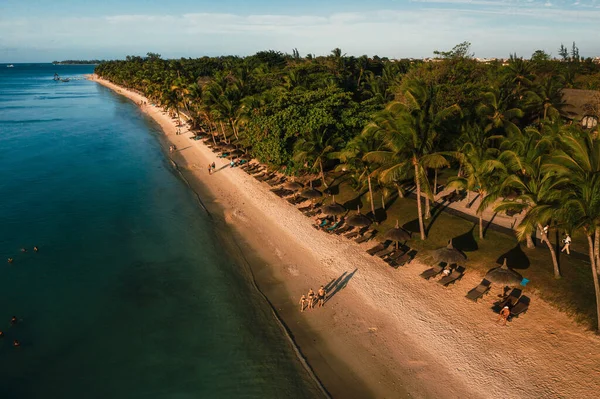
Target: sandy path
(389, 333)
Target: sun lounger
(434, 271)
(312, 213)
(385, 252)
(275, 181)
(296, 200)
(510, 300)
(283, 193)
(379, 247)
(520, 307)
(305, 208)
(401, 260)
(479, 291)
(343, 230)
(453, 277)
(394, 255)
(356, 233)
(366, 236)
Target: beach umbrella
(449, 255)
(293, 186)
(503, 275)
(397, 234)
(333, 209)
(311, 193)
(358, 220)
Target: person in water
(35, 249)
(321, 296)
(10, 260)
(23, 250)
(311, 298)
(1, 334)
(16, 343)
(14, 320)
(302, 302)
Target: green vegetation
(377, 128)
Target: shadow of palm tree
(436, 212)
(333, 189)
(338, 284)
(379, 216)
(515, 258)
(466, 242)
(354, 202)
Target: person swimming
(16, 343)
(1, 334)
(35, 249)
(23, 250)
(14, 320)
(10, 260)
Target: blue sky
(43, 30)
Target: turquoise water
(130, 294)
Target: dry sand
(389, 333)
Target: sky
(44, 30)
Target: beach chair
(366, 236)
(520, 307)
(343, 230)
(401, 260)
(311, 213)
(453, 277)
(479, 291)
(385, 252)
(432, 272)
(335, 226)
(296, 200)
(304, 209)
(379, 247)
(510, 300)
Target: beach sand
(385, 333)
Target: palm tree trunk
(233, 128)
(481, 226)
(371, 196)
(552, 251)
(223, 130)
(400, 193)
(322, 173)
(594, 265)
(435, 183)
(382, 201)
(597, 250)
(427, 208)
(418, 184)
(530, 243)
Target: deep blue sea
(130, 295)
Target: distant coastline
(77, 62)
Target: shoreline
(387, 333)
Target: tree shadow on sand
(338, 284)
(515, 258)
(412, 226)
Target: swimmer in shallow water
(14, 320)
(10, 260)
(1, 334)
(35, 249)
(16, 343)
(23, 250)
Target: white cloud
(493, 30)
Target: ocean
(131, 294)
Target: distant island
(78, 62)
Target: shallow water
(131, 294)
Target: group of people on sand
(13, 322)
(211, 168)
(23, 250)
(172, 148)
(308, 301)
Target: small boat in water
(10, 66)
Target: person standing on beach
(567, 246)
(214, 166)
(209, 169)
(321, 294)
(504, 313)
(302, 302)
(311, 298)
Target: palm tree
(579, 162)
(409, 130)
(482, 170)
(540, 191)
(497, 116)
(313, 149)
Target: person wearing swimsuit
(302, 302)
(311, 298)
(321, 296)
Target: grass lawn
(573, 294)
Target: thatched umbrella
(333, 209)
(311, 193)
(358, 220)
(503, 275)
(292, 185)
(449, 255)
(397, 234)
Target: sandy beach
(384, 333)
